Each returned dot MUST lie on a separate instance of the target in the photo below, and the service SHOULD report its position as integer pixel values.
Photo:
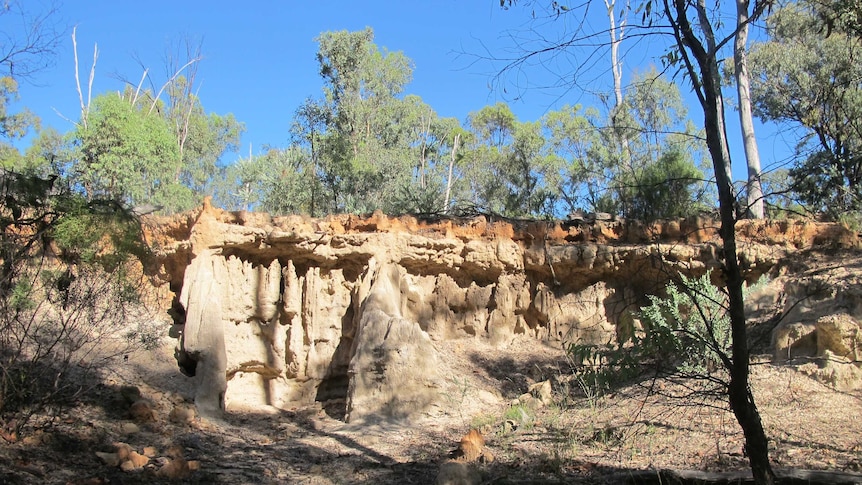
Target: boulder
(840, 335)
(792, 340)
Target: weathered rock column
(202, 338)
(394, 369)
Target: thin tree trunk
(706, 78)
(449, 178)
(616, 38)
(617, 32)
(740, 61)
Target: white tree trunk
(449, 178)
(752, 157)
(617, 32)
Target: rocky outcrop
(393, 370)
(819, 325)
(285, 311)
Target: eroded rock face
(394, 367)
(203, 337)
(285, 311)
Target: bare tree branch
(33, 49)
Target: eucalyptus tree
(200, 139)
(308, 130)
(435, 150)
(508, 165)
(807, 75)
(13, 126)
(696, 45)
(754, 191)
(493, 130)
(362, 155)
(659, 173)
(127, 154)
(645, 162)
(279, 181)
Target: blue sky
(259, 58)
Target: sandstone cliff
(287, 310)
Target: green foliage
(67, 280)
(509, 169)
(358, 133)
(413, 198)
(98, 233)
(644, 163)
(202, 139)
(125, 153)
(666, 188)
(361, 146)
(279, 182)
(13, 126)
(652, 154)
(827, 184)
(689, 327)
(686, 333)
(19, 297)
(805, 78)
(780, 198)
(521, 415)
(840, 16)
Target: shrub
(70, 282)
(686, 333)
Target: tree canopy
(807, 79)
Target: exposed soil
(577, 439)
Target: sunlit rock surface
(283, 311)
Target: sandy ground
(579, 437)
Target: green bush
(686, 333)
(70, 280)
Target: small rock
(130, 428)
(138, 459)
(176, 469)
(150, 451)
(123, 450)
(36, 439)
(182, 414)
(142, 411)
(110, 459)
(471, 445)
(543, 391)
(487, 457)
(530, 402)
